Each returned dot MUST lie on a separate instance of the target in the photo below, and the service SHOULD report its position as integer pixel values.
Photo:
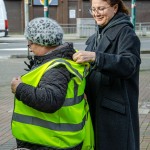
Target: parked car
(3, 20)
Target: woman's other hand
(84, 56)
(14, 83)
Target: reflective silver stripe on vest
(74, 70)
(76, 99)
(73, 101)
(47, 124)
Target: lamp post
(133, 13)
(45, 8)
(26, 12)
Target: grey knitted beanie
(44, 31)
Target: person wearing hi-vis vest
(50, 111)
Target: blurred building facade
(64, 11)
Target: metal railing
(142, 29)
(69, 28)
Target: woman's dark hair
(121, 6)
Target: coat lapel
(90, 43)
(105, 40)
(103, 44)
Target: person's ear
(115, 8)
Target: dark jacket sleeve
(126, 61)
(50, 94)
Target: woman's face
(35, 49)
(102, 12)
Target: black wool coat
(113, 85)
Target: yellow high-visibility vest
(65, 128)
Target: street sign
(41, 2)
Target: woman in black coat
(113, 85)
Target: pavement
(11, 67)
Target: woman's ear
(115, 8)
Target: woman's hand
(14, 83)
(84, 56)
